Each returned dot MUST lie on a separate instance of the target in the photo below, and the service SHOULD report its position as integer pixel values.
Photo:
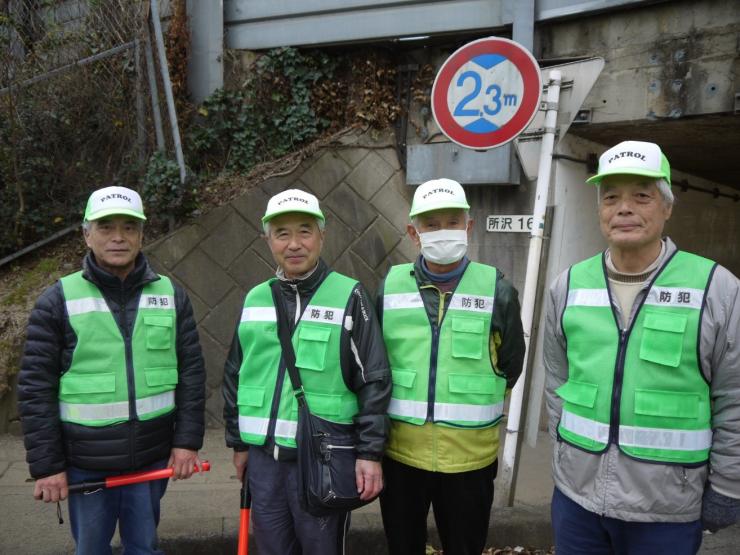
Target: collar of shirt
(444, 282)
(640, 277)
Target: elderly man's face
(295, 241)
(115, 241)
(632, 211)
(446, 218)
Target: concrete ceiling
(705, 146)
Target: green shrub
(268, 117)
(165, 198)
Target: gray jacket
(615, 485)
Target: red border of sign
(527, 66)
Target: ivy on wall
(272, 114)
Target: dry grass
(21, 283)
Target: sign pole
(511, 444)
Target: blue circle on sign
(485, 93)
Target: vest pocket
(479, 384)
(312, 345)
(666, 404)
(250, 396)
(403, 378)
(158, 332)
(467, 337)
(662, 338)
(578, 393)
(162, 379)
(74, 384)
(323, 404)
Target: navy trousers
(281, 526)
(581, 532)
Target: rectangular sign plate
(521, 223)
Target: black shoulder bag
(326, 450)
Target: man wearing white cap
(342, 365)
(455, 344)
(643, 378)
(111, 381)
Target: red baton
(127, 479)
(245, 506)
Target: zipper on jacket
(433, 373)
(684, 479)
(624, 335)
(432, 387)
(617, 387)
(129, 361)
(297, 305)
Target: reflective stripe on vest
(600, 297)
(663, 402)
(316, 341)
(259, 314)
(88, 304)
(470, 303)
(321, 314)
(258, 426)
(95, 389)
(446, 411)
(647, 438)
(81, 412)
(98, 304)
(397, 301)
(455, 357)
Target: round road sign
(486, 93)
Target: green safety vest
(95, 390)
(316, 341)
(641, 388)
(442, 374)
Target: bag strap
(286, 343)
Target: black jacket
(365, 367)
(53, 445)
(506, 324)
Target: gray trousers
(280, 526)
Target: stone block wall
(219, 256)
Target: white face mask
(444, 246)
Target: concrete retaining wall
(221, 255)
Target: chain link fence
(79, 106)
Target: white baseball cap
(437, 194)
(635, 158)
(111, 201)
(292, 200)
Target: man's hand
(183, 463)
(52, 488)
(240, 463)
(369, 477)
(718, 511)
